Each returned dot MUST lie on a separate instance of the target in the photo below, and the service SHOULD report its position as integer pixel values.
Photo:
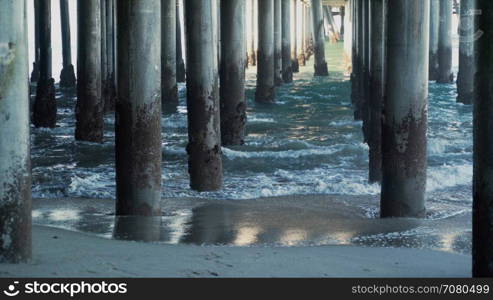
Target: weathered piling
(362, 85)
(326, 22)
(138, 109)
(204, 147)
(110, 88)
(348, 36)
(287, 71)
(302, 54)
(294, 37)
(278, 42)
(169, 90)
(89, 111)
(482, 231)
(377, 87)
(434, 37)
(444, 72)
(318, 39)
(405, 110)
(249, 33)
(342, 13)
(365, 65)
(255, 30)
(266, 89)
(309, 34)
(44, 108)
(35, 71)
(216, 32)
(232, 73)
(67, 76)
(15, 166)
(467, 35)
(104, 54)
(180, 63)
(332, 30)
(356, 57)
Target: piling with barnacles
(405, 110)
(138, 109)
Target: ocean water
(306, 143)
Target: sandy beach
(291, 236)
(60, 253)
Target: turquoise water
(306, 143)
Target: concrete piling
(434, 37)
(482, 231)
(318, 38)
(377, 88)
(232, 73)
(204, 147)
(251, 55)
(109, 90)
(169, 90)
(287, 71)
(278, 42)
(35, 71)
(180, 62)
(44, 108)
(444, 72)
(265, 91)
(67, 76)
(467, 36)
(15, 163)
(90, 103)
(138, 109)
(405, 110)
(294, 37)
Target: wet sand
(292, 236)
(61, 253)
(306, 220)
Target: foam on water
(306, 143)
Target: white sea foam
(447, 176)
(92, 186)
(232, 154)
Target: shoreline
(305, 220)
(60, 253)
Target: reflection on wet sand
(282, 221)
